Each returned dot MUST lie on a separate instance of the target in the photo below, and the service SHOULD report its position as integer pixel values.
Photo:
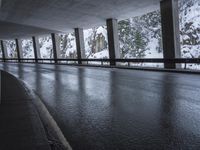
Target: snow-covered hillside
(190, 30)
(67, 46)
(96, 42)
(46, 47)
(11, 48)
(27, 48)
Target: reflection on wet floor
(118, 109)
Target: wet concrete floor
(116, 109)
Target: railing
(127, 62)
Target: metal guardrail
(107, 61)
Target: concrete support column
(19, 49)
(170, 31)
(4, 50)
(36, 48)
(113, 39)
(0, 87)
(80, 44)
(56, 46)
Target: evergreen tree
(140, 45)
(126, 32)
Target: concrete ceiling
(21, 18)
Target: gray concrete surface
(10, 30)
(20, 124)
(170, 32)
(110, 109)
(113, 40)
(0, 87)
(39, 16)
(80, 44)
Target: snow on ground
(67, 44)
(87, 33)
(103, 54)
(27, 48)
(190, 51)
(103, 30)
(190, 14)
(152, 51)
(89, 36)
(46, 47)
(11, 48)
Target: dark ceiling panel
(12, 30)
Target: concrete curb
(126, 68)
(49, 123)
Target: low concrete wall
(53, 132)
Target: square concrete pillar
(80, 46)
(170, 31)
(0, 87)
(36, 48)
(113, 40)
(56, 46)
(19, 49)
(4, 50)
